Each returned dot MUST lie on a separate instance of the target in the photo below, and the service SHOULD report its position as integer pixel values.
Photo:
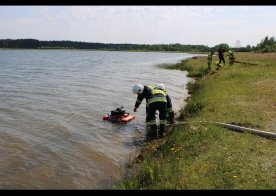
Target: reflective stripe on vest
(162, 122)
(157, 99)
(158, 91)
(151, 122)
(151, 86)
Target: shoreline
(149, 148)
(209, 156)
(103, 50)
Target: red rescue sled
(118, 116)
(119, 119)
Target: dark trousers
(221, 58)
(152, 108)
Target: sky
(237, 26)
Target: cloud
(207, 25)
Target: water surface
(52, 135)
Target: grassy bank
(208, 156)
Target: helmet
(137, 89)
(161, 86)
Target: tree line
(266, 45)
(36, 44)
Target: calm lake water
(52, 102)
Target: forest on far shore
(266, 45)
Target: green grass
(241, 94)
(208, 156)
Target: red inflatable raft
(118, 116)
(118, 119)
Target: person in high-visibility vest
(219, 65)
(156, 99)
(231, 58)
(209, 60)
(170, 112)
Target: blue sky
(206, 25)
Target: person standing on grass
(221, 55)
(231, 58)
(209, 59)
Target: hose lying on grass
(245, 63)
(236, 128)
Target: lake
(52, 102)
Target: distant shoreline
(102, 50)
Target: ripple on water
(51, 106)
